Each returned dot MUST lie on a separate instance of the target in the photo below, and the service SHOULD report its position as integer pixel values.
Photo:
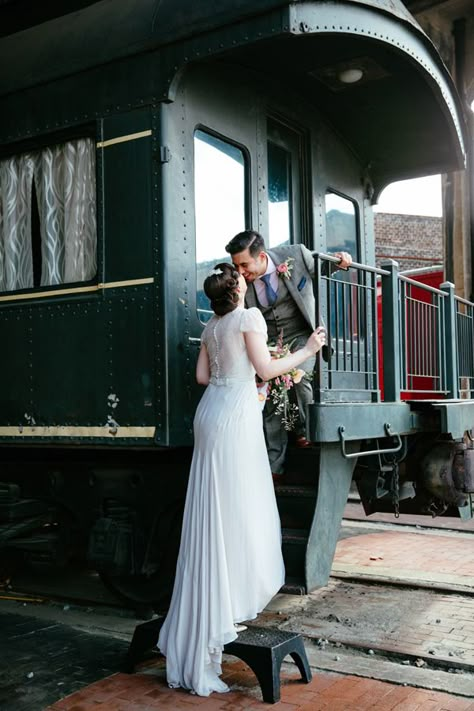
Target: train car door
(211, 133)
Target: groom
(280, 284)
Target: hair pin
(215, 272)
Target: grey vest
(284, 316)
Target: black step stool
(262, 648)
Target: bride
(230, 563)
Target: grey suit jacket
(300, 283)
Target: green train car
(136, 138)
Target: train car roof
(166, 19)
(409, 93)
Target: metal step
(302, 466)
(294, 544)
(295, 505)
(294, 586)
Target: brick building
(413, 241)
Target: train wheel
(148, 593)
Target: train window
(47, 216)
(283, 149)
(341, 225)
(342, 235)
(220, 205)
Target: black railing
(346, 304)
(422, 338)
(465, 346)
(427, 336)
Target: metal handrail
(425, 287)
(428, 343)
(349, 311)
(463, 301)
(354, 265)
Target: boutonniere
(284, 269)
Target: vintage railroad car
(136, 137)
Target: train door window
(283, 151)
(220, 184)
(47, 216)
(342, 235)
(341, 225)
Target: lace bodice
(224, 340)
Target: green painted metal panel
(130, 351)
(101, 91)
(360, 420)
(127, 196)
(15, 365)
(335, 476)
(456, 416)
(67, 358)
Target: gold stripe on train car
(79, 431)
(78, 289)
(123, 139)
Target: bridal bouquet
(277, 389)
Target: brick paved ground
(442, 624)
(404, 556)
(445, 623)
(355, 512)
(328, 692)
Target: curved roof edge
(108, 30)
(92, 33)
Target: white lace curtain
(64, 178)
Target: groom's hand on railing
(345, 260)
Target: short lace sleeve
(207, 331)
(252, 320)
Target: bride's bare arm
(267, 368)
(203, 372)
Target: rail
(426, 341)
(346, 304)
(422, 339)
(465, 346)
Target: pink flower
(287, 381)
(284, 269)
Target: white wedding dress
(230, 563)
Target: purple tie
(269, 290)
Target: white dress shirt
(260, 284)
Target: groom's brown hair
(248, 239)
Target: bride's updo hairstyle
(220, 287)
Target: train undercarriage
(121, 515)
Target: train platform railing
(346, 304)
(416, 337)
(464, 311)
(391, 337)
